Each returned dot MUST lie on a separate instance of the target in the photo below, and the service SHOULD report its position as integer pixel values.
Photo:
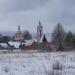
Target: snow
(28, 42)
(37, 63)
(5, 45)
(15, 44)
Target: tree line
(61, 39)
(26, 34)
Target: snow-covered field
(38, 63)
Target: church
(41, 43)
(19, 36)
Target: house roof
(28, 42)
(44, 39)
(5, 45)
(15, 44)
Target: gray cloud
(28, 12)
(21, 5)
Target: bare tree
(27, 35)
(58, 36)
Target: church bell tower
(39, 31)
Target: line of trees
(26, 34)
(61, 39)
(4, 39)
(69, 40)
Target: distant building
(5, 45)
(43, 45)
(15, 44)
(39, 31)
(19, 36)
(32, 46)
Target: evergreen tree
(69, 39)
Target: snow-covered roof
(15, 44)
(5, 45)
(28, 42)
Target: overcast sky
(27, 13)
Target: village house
(41, 43)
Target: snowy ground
(37, 63)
